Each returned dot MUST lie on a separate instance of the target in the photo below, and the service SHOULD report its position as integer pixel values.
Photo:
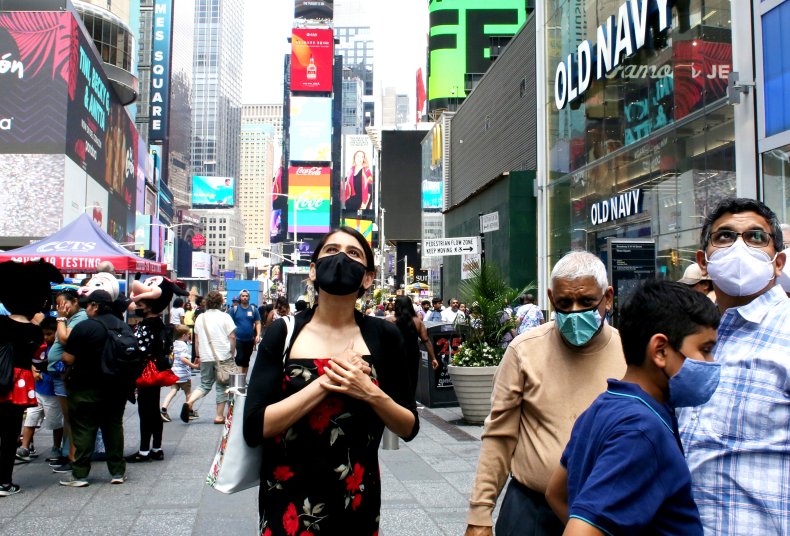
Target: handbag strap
(208, 338)
(289, 326)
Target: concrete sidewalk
(426, 485)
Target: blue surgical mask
(579, 327)
(694, 383)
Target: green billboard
(460, 42)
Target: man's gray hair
(578, 264)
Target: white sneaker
(118, 479)
(74, 482)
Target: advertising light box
(312, 52)
(212, 191)
(314, 9)
(311, 129)
(308, 199)
(460, 40)
(357, 186)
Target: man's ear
(702, 262)
(551, 298)
(780, 265)
(608, 298)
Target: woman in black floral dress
(320, 412)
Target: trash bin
(434, 387)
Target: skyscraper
(179, 169)
(261, 138)
(356, 44)
(217, 71)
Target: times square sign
(619, 37)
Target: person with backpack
(155, 343)
(96, 398)
(24, 294)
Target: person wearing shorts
(215, 342)
(182, 367)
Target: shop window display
(657, 124)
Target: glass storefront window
(776, 182)
(648, 150)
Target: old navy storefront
(640, 135)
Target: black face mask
(338, 274)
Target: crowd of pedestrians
(675, 423)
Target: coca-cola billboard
(309, 199)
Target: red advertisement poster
(701, 70)
(312, 53)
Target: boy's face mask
(694, 384)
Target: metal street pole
(381, 246)
(482, 240)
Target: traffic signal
(411, 274)
(674, 257)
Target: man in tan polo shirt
(548, 376)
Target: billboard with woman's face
(357, 187)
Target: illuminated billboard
(314, 9)
(365, 228)
(357, 185)
(311, 129)
(460, 42)
(34, 81)
(212, 191)
(308, 199)
(161, 42)
(312, 55)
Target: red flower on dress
(267, 532)
(320, 365)
(356, 501)
(354, 480)
(307, 533)
(290, 520)
(320, 416)
(282, 473)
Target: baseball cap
(693, 275)
(102, 297)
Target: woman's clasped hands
(349, 373)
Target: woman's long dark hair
(404, 311)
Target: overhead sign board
(438, 247)
(160, 70)
(489, 222)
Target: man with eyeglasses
(738, 444)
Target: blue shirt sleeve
(624, 489)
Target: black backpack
(121, 358)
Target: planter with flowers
(473, 366)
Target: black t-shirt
(25, 338)
(86, 343)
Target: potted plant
(473, 366)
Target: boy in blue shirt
(623, 470)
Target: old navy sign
(160, 70)
(617, 38)
(617, 207)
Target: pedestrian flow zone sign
(438, 247)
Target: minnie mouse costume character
(25, 292)
(150, 298)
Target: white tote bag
(237, 466)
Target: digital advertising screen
(212, 191)
(311, 129)
(32, 194)
(459, 40)
(314, 9)
(431, 194)
(365, 227)
(312, 56)
(36, 71)
(308, 199)
(357, 186)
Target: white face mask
(740, 270)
